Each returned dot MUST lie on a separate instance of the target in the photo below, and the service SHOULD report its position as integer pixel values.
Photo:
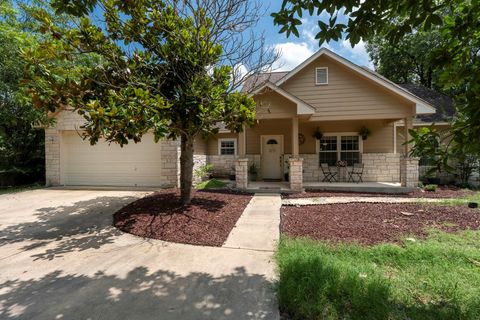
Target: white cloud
(291, 55)
(357, 54)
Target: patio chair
(328, 175)
(357, 171)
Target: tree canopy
(170, 67)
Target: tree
(170, 67)
(458, 58)
(409, 60)
(21, 141)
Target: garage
(107, 164)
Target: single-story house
(326, 93)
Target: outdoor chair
(328, 175)
(357, 172)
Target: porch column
(241, 173)
(295, 137)
(296, 174)
(408, 124)
(242, 143)
(409, 172)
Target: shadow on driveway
(140, 295)
(81, 226)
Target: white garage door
(109, 165)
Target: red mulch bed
(368, 223)
(207, 220)
(441, 192)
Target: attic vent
(321, 75)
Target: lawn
(434, 278)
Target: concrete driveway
(61, 259)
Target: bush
(204, 172)
(430, 187)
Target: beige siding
(347, 95)
(380, 140)
(200, 146)
(212, 142)
(266, 127)
(272, 104)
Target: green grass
(460, 201)
(437, 278)
(20, 188)
(211, 184)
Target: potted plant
(364, 132)
(253, 172)
(318, 134)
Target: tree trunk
(186, 168)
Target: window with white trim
(227, 147)
(321, 75)
(347, 147)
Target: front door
(272, 150)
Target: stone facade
(52, 157)
(296, 174)
(241, 173)
(409, 172)
(170, 163)
(381, 167)
(199, 160)
(222, 165)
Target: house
(326, 93)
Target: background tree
(409, 60)
(21, 141)
(457, 56)
(170, 67)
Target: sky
(296, 50)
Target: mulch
(440, 193)
(370, 224)
(207, 220)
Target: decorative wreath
(301, 138)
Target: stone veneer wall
(379, 167)
(222, 165)
(170, 163)
(198, 161)
(52, 157)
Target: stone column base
(241, 173)
(296, 174)
(409, 172)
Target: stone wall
(295, 174)
(409, 172)
(170, 163)
(52, 157)
(199, 160)
(241, 173)
(379, 167)
(222, 165)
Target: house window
(345, 147)
(321, 76)
(227, 146)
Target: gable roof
(443, 104)
(422, 107)
(257, 80)
(302, 106)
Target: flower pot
(232, 177)
(364, 137)
(253, 177)
(286, 176)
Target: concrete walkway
(258, 227)
(60, 258)
(338, 200)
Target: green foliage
(364, 132)
(211, 184)
(430, 187)
(460, 201)
(252, 169)
(204, 171)
(432, 279)
(151, 67)
(21, 141)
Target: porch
(364, 187)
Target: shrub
(430, 187)
(204, 172)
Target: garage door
(109, 165)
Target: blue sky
(295, 50)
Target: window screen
(321, 75)
(227, 147)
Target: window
(227, 146)
(336, 147)
(321, 76)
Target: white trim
(395, 138)
(316, 76)
(302, 107)
(234, 145)
(421, 105)
(339, 136)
